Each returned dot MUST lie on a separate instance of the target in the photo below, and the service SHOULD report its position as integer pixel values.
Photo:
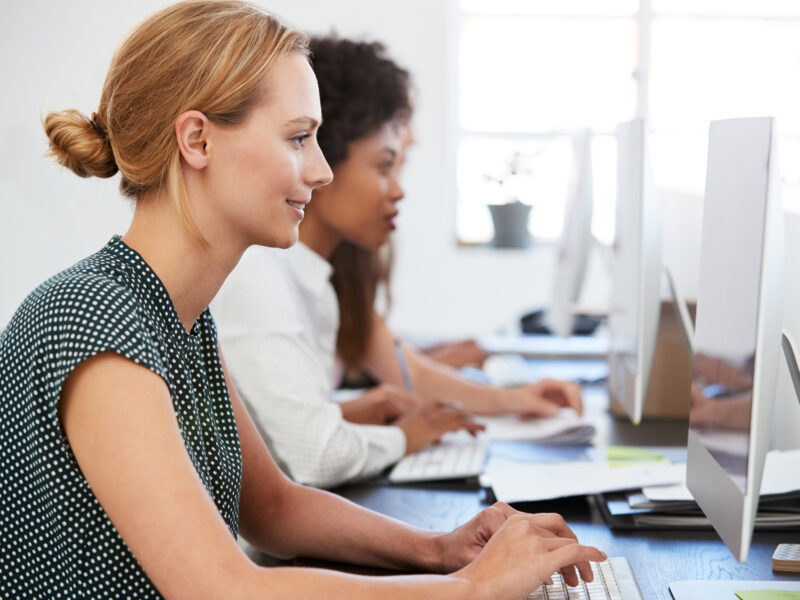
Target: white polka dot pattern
(55, 539)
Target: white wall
(55, 55)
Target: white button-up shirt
(277, 316)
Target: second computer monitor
(635, 273)
(575, 243)
(737, 334)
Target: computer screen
(575, 243)
(737, 339)
(635, 273)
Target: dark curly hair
(361, 90)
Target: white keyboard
(458, 455)
(509, 369)
(613, 580)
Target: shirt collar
(311, 271)
(153, 290)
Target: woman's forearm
(326, 526)
(430, 379)
(288, 582)
(434, 380)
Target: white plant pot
(511, 225)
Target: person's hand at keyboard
(380, 405)
(429, 421)
(518, 552)
(542, 399)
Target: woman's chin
(371, 243)
(284, 241)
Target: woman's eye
(386, 166)
(299, 140)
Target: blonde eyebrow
(308, 121)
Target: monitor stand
(726, 590)
(790, 352)
(684, 318)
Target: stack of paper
(526, 482)
(565, 428)
(658, 487)
(673, 505)
(781, 476)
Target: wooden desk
(657, 557)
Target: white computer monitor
(737, 339)
(635, 273)
(575, 243)
(786, 411)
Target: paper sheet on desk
(527, 482)
(565, 428)
(781, 476)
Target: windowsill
(534, 246)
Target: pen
(401, 359)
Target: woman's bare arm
(435, 380)
(119, 420)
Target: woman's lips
(299, 206)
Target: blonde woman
(127, 462)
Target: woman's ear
(191, 131)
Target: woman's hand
(428, 422)
(542, 399)
(524, 552)
(462, 545)
(381, 405)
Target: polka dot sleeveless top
(55, 539)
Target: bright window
(533, 73)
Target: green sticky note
(768, 595)
(632, 454)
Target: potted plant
(510, 218)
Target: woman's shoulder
(88, 308)
(97, 284)
(86, 289)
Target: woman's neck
(191, 272)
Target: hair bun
(80, 143)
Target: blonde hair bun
(79, 144)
